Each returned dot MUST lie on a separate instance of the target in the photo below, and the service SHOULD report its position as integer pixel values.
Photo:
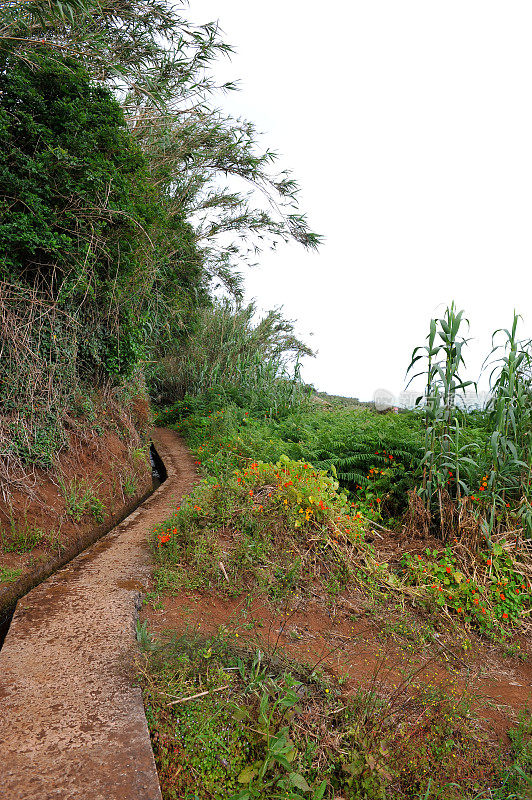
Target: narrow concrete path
(72, 724)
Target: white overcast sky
(409, 127)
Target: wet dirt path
(72, 724)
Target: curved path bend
(72, 724)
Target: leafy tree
(76, 206)
(213, 170)
(209, 165)
(92, 265)
(124, 194)
(143, 45)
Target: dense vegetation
(423, 511)
(266, 522)
(256, 726)
(129, 204)
(484, 581)
(122, 206)
(253, 364)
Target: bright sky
(409, 127)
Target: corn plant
(509, 454)
(447, 462)
(495, 475)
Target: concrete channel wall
(72, 721)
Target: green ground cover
(235, 724)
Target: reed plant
(256, 365)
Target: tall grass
(253, 365)
(38, 379)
